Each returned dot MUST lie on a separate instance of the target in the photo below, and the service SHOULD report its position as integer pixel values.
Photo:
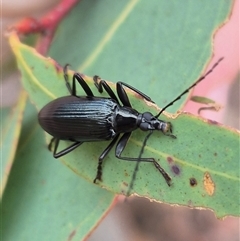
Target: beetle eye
(144, 126)
(147, 116)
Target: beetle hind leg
(120, 148)
(65, 151)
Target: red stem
(46, 25)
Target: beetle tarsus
(162, 171)
(51, 143)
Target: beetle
(90, 118)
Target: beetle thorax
(125, 119)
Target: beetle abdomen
(79, 118)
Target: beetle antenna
(138, 162)
(184, 92)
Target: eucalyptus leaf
(203, 160)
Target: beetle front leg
(123, 96)
(120, 148)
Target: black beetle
(89, 118)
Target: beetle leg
(123, 96)
(102, 156)
(97, 78)
(51, 143)
(80, 80)
(121, 146)
(64, 151)
(100, 84)
(83, 83)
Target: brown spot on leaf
(72, 234)
(193, 181)
(169, 159)
(209, 185)
(176, 169)
(126, 173)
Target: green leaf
(203, 160)
(45, 199)
(11, 123)
(159, 47)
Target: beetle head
(150, 122)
